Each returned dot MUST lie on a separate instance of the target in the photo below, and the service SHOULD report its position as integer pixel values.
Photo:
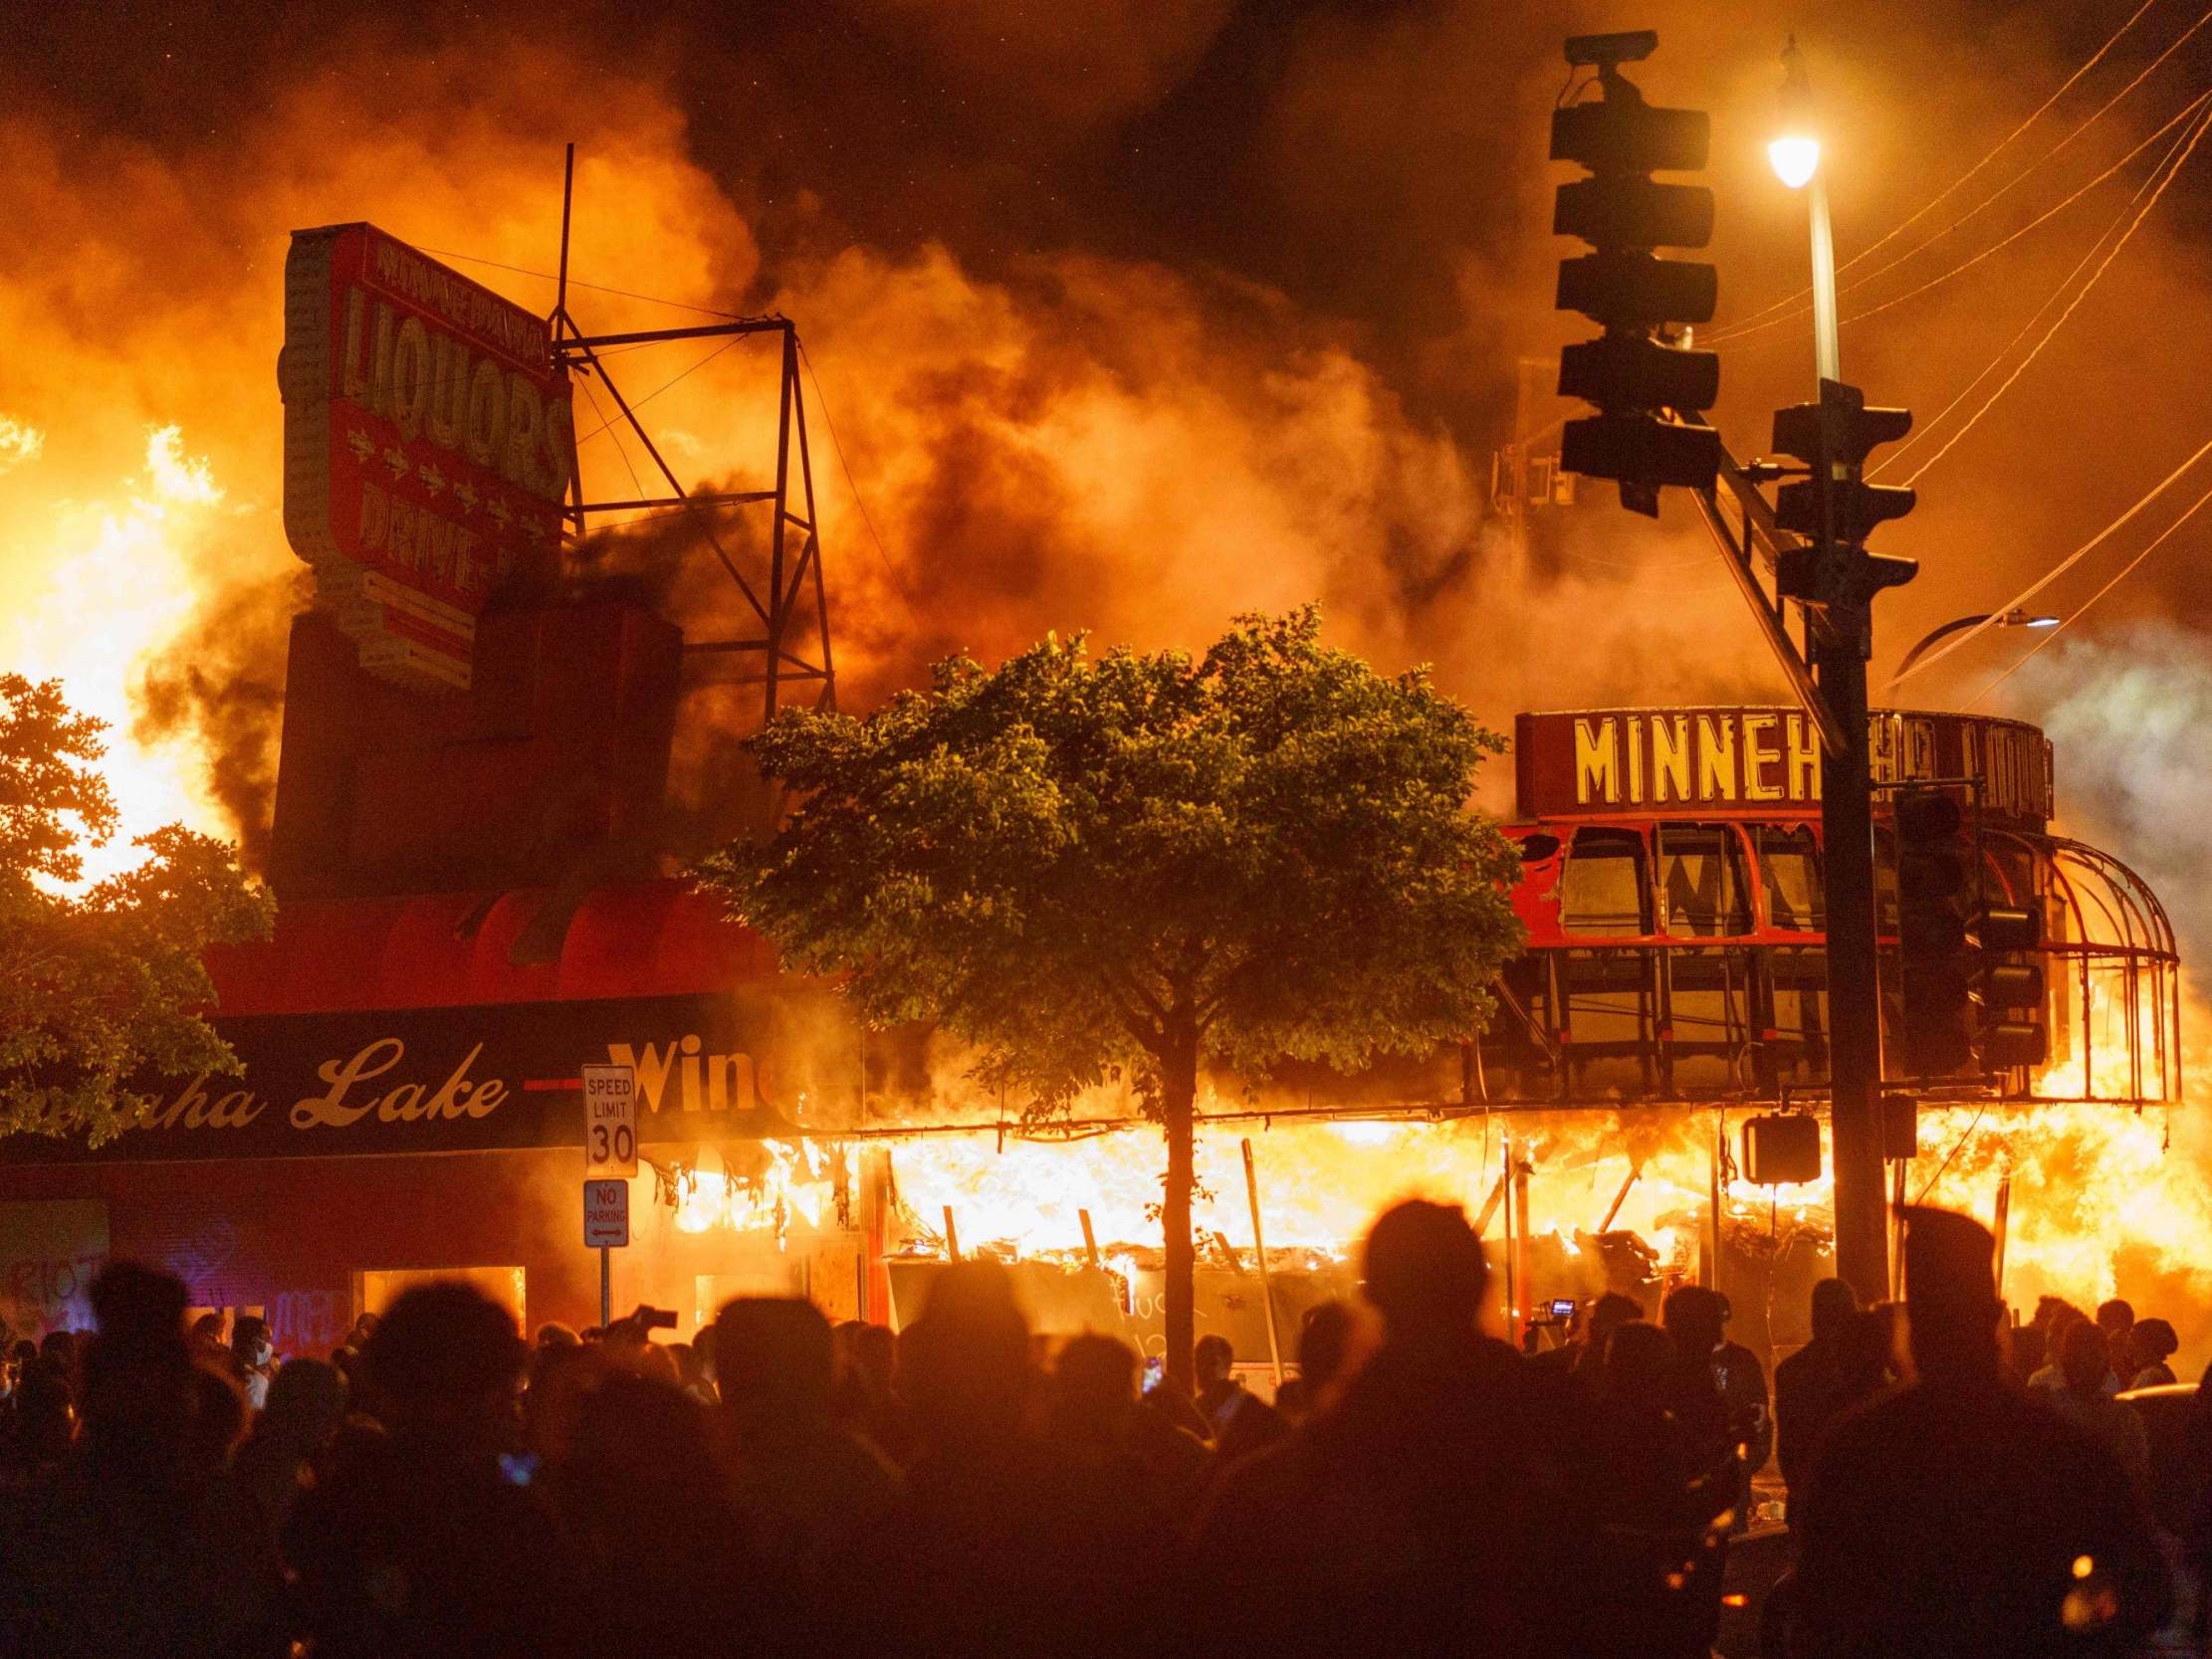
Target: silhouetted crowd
(447, 1486)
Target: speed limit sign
(609, 1121)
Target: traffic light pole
(1839, 645)
(1839, 658)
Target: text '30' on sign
(609, 1121)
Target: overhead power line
(1952, 188)
(2035, 587)
(2188, 110)
(2080, 610)
(596, 287)
(2160, 176)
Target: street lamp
(2013, 618)
(1795, 152)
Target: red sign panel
(1757, 761)
(428, 446)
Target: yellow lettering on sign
(652, 1069)
(1636, 757)
(333, 1109)
(731, 1076)
(1757, 758)
(1670, 756)
(1597, 761)
(1716, 758)
(1805, 759)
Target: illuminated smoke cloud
(2129, 713)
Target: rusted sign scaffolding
(780, 645)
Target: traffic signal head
(2008, 993)
(1637, 449)
(1934, 871)
(1833, 509)
(1641, 386)
(1637, 368)
(1781, 1149)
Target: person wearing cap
(1957, 1516)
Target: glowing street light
(1796, 156)
(1796, 148)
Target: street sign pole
(606, 1227)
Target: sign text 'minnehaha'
(1750, 761)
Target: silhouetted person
(1809, 1384)
(643, 1494)
(1742, 1382)
(1654, 1562)
(41, 1421)
(2116, 1317)
(2054, 1317)
(809, 1490)
(1325, 1337)
(1955, 1516)
(1242, 1421)
(129, 1547)
(2085, 1361)
(2150, 1346)
(421, 1544)
(863, 1399)
(1695, 1319)
(286, 1451)
(1172, 1399)
(1002, 1543)
(1578, 1365)
(1093, 1412)
(1414, 1515)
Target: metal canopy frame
(779, 644)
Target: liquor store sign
(428, 444)
(1763, 761)
(441, 1080)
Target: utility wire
(1922, 434)
(2187, 112)
(596, 287)
(1951, 189)
(635, 483)
(2055, 572)
(2080, 610)
(662, 387)
(2163, 176)
(898, 583)
(2004, 189)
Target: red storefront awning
(464, 950)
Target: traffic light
(1934, 868)
(1641, 384)
(1781, 1149)
(1834, 509)
(2008, 993)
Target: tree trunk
(1179, 1084)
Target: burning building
(472, 823)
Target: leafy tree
(1141, 865)
(100, 985)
